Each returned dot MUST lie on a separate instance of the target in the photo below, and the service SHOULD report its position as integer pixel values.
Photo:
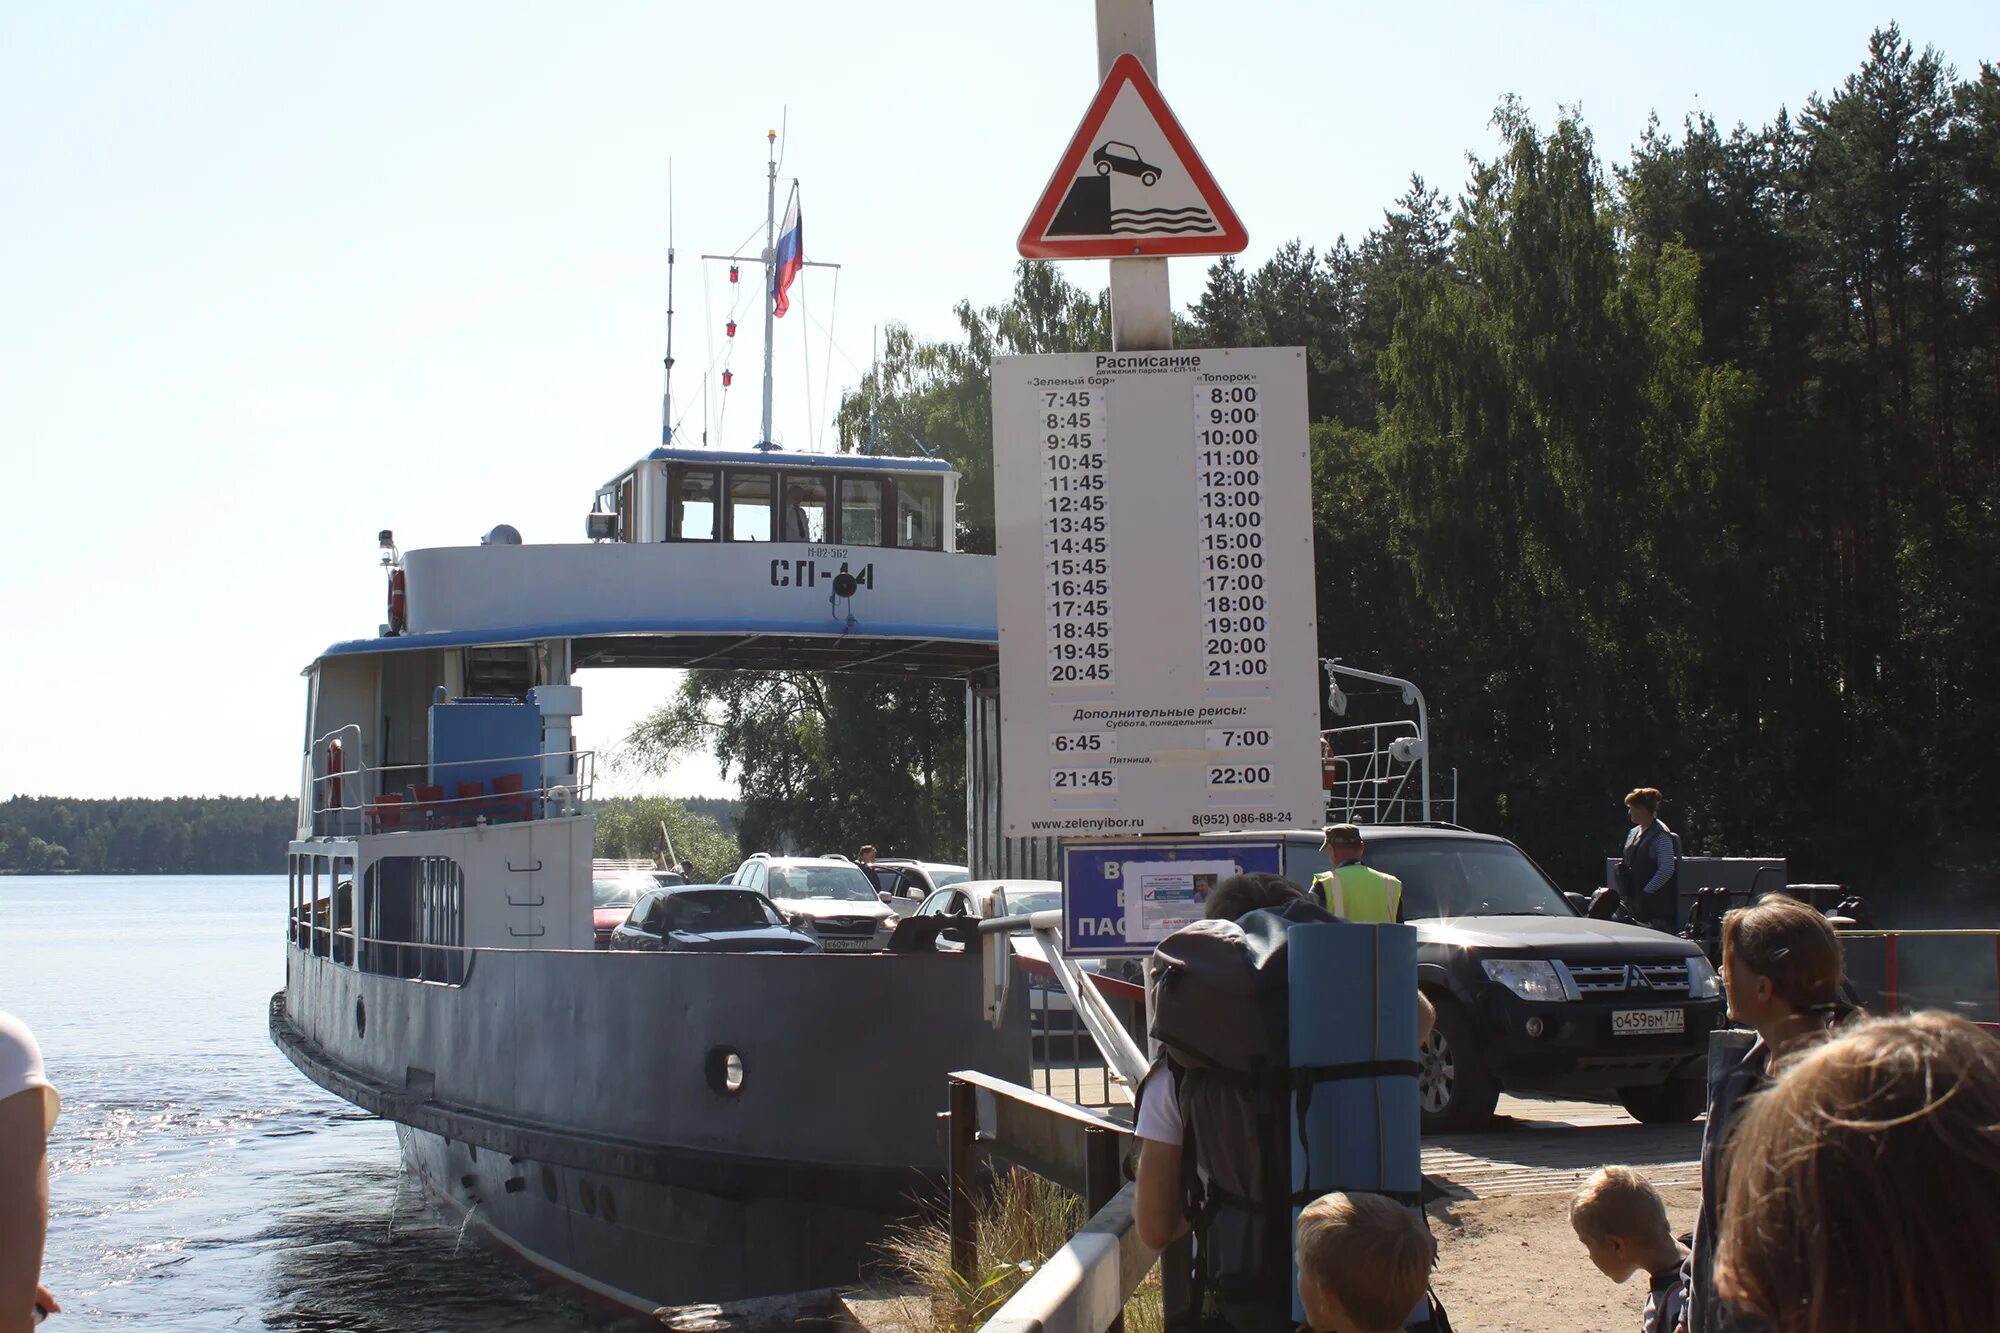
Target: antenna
(667, 394)
(875, 394)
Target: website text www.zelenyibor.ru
(1091, 822)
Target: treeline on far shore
(180, 835)
(233, 835)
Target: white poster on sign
(1159, 665)
(1160, 897)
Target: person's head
(793, 495)
(1619, 1218)
(866, 856)
(1780, 959)
(1248, 892)
(1643, 804)
(1860, 1184)
(1342, 843)
(1364, 1262)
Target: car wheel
(1148, 177)
(1455, 1091)
(1674, 1102)
(1104, 168)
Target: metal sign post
(1157, 656)
(1142, 311)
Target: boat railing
(350, 798)
(413, 960)
(1379, 773)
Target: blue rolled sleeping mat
(1355, 1114)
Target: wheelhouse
(711, 495)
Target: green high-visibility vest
(1357, 893)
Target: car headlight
(1703, 984)
(1529, 978)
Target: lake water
(198, 1181)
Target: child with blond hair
(1364, 1263)
(1622, 1223)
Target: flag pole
(770, 272)
(667, 394)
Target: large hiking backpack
(1221, 994)
(1219, 1013)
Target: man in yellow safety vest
(1352, 891)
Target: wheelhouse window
(693, 501)
(802, 517)
(861, 511)
(920, 512)
(750, 506)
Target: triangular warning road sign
(1130, 184)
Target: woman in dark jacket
(1649, 864)
(1781, 967)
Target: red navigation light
(730, 328)
(726, 377)
(732, 272)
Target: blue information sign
(1123, 896)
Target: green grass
(1024, 1221)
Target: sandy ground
(1508, 1261)
(1512, 1265)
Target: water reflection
(198, 1181)
(364, 1252)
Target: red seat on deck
(509, 801)
(385, 813)
(469, 797)
(430, 805)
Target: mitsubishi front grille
(1667, 978)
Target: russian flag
(790, 256)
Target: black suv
(1533, 996)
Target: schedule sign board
(1158, 645)
(1121, 897)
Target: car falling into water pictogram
(1112, 155)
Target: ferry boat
(655, 1128)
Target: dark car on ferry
(1533, 996)
(612, 896)
(709, 918)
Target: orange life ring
(399, 602)
(336, 763)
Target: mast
(667, 394)
(770, 272)
(769, 260)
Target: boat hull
(551, 1082)
(639, 1244)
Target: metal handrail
(1083, 1287)
(1420, 766)
(367, 781)
(1123, 1060)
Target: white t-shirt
(1159, 1117)
(21, 1066)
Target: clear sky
(277, 276)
